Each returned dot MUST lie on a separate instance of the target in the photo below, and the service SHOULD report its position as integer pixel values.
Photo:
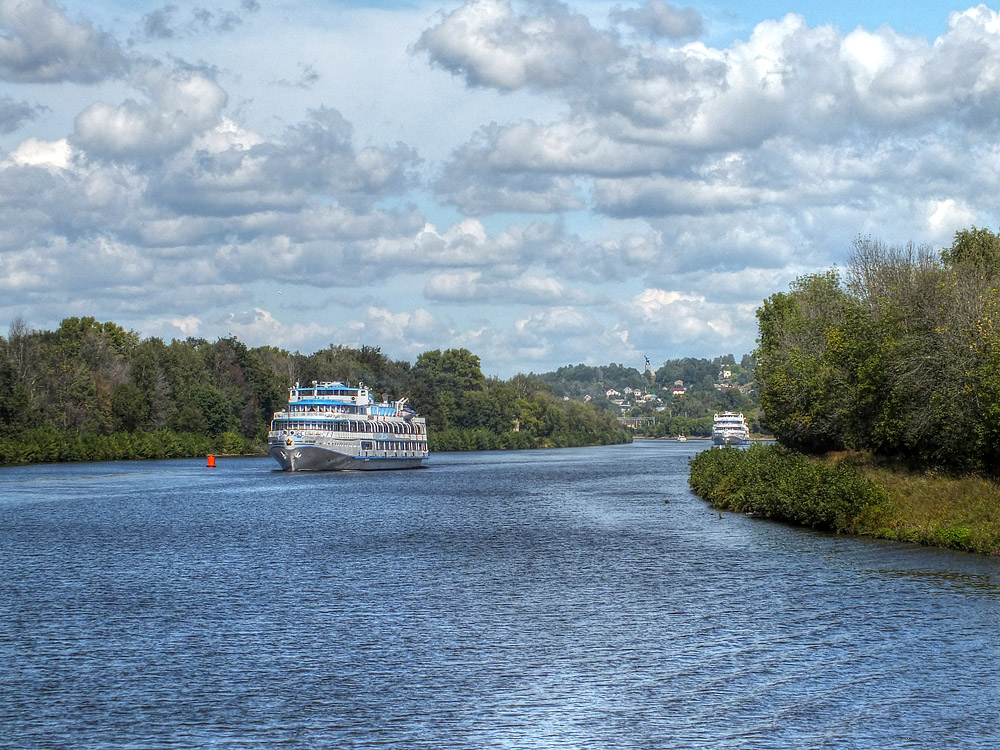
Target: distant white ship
(330, 426)
(730, 428)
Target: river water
(577, 598)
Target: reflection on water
(525, 599)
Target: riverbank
(960, 513)
(849, 494)
(43, 445)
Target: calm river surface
(546, 599)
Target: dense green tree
(974, 248)
(800, 365)
(691, 371)
(901, 360)
(216, 409)
(15, 400)
(148, 364)
(129, 408)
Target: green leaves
(974, 248)
(903, 360)
(801, 373)
(768, 481)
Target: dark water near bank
(513, 600)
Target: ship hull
(731, 440)
(320, 458)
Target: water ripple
(523, 600)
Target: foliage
(799, 376)
(93, 390)
(852, 493)
(48, 445)
(901, 359)
(771, 482)
(579, 381)
(690, 413)
(694, 373)
(978, 249)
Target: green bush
(49, 445)
(769, 481)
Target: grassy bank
(849, 494)
(956, 512)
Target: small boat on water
(331, 426)
(682, 438)
(730, 428)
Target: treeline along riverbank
(93, 390)
(896, 365)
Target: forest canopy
(93, 390)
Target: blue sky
(544, 183)
(929, 19)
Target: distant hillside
(579, 381)
(681, 396)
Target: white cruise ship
(331, 426)
(730, 428)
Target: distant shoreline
(753, 438)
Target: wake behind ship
(331, 426)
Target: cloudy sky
(543, 183)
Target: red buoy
(211, 461)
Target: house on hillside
(678, 388)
